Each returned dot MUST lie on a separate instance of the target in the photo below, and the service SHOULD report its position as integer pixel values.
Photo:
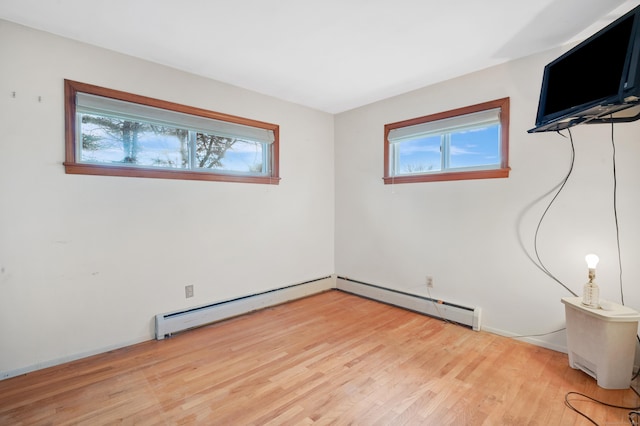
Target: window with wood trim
(465, 143)
(114, 133)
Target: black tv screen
(592, 80)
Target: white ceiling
(331, 55)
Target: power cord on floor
(633, 414)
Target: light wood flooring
(332, 358)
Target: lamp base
(591, 296)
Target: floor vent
(173, 322)
(466, 316)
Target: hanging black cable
(540, 264)
(615, 212)
(615, 215)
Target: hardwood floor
(332, 358)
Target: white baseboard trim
(174, 322)
(52, 363)
(233, 307)
(529, 339)
(463, 315)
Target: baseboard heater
(173, 322)
(466, 316)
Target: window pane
(418, 155)
(475, 148)
(114, 133)
(470, 142)
(110, 140)
(228, 154)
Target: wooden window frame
(72, 166)
(501, 172)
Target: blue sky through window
(469, 148)
(154, 149)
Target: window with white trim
(466, 143)
(121, 134)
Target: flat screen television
(597, 81)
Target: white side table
(602, 343)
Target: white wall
(475, 237)
(87, 261)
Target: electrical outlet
(188, 291)
(429, 281)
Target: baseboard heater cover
(466, 316)
(173, 322)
